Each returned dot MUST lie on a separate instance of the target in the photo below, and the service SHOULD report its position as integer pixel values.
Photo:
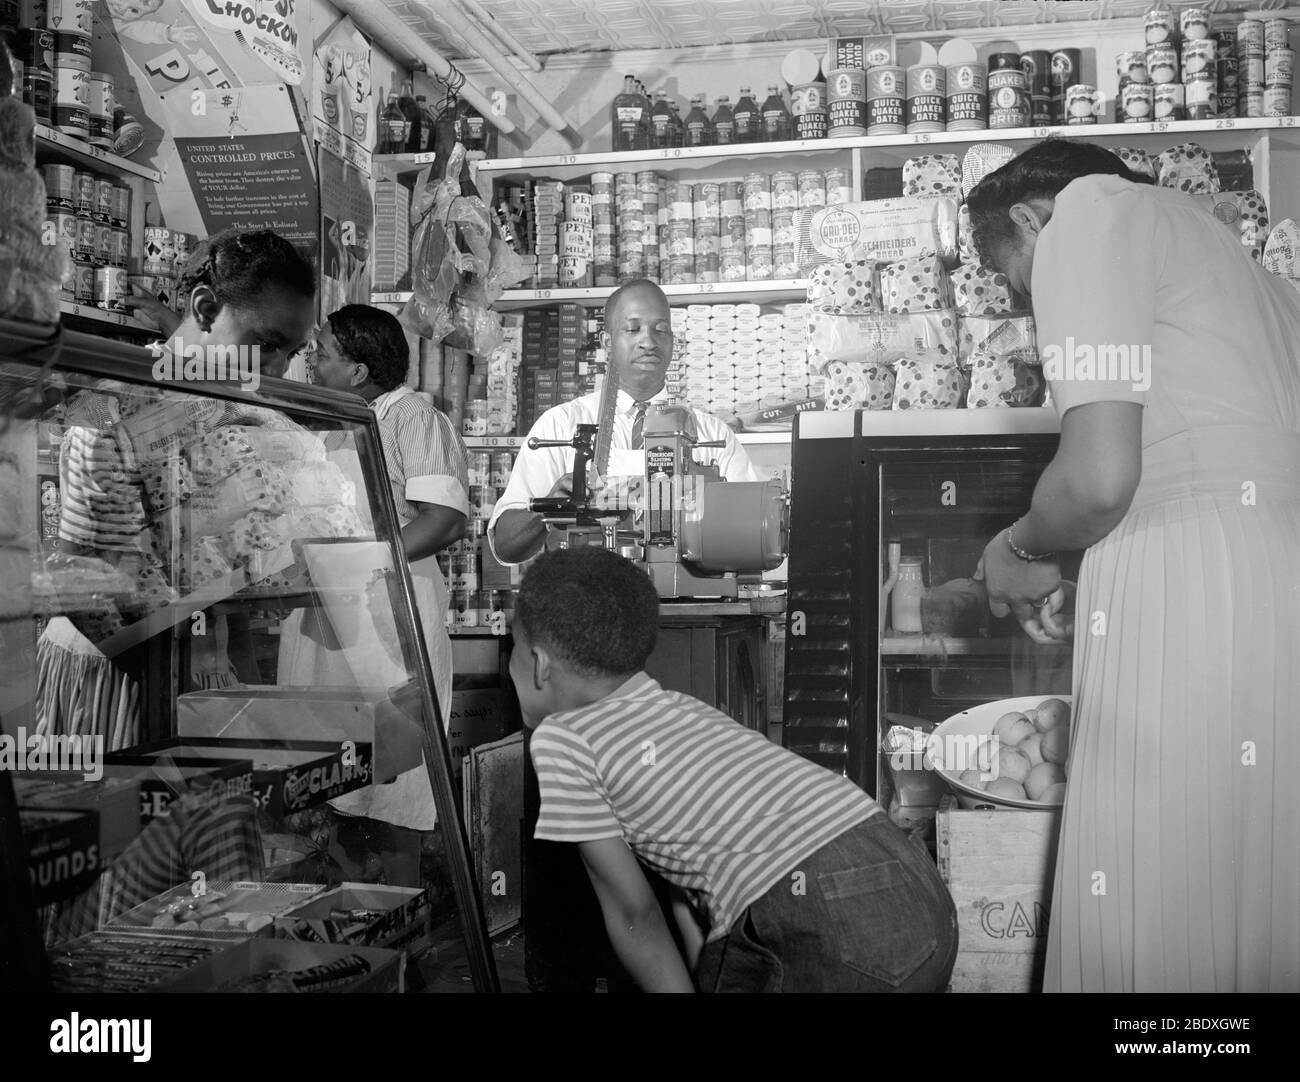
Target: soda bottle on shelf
(748, 122)
(776, 117)
(699, 132)
(421, 139)
(661, 122)
(724, 124)
(411, 111)
(679, 125)
(646, 137)
(470, 126)
(626, 117)
(392, 128)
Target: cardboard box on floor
(384, 718)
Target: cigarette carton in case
(288, 776)
(306, 967)
(365, 914)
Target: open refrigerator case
(888, 634)
(207, 634)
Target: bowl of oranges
(1007, 754)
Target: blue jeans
(868, 914)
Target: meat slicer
(691, 531)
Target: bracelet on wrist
(1021, 553)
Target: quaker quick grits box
(221, 910)
(388, 719)
(282, 965)
(363, 914)
(288, 775)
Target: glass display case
(885, 626)
(210, 663)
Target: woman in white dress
(1172, 361)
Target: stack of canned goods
(471, 604)
(165, 254)
(1279, 65)
(604, 266)
(53, 47)
(89, 214)
(1135, 102)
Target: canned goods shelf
(100, 315)
(513, 443)
(771, 291)
(56, 144)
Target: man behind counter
(638, 339)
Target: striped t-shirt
(716, 809)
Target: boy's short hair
(373, 337)
(595, 610)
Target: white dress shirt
(535, 472)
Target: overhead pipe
(502, 35)
(377, 21)
(449, 13)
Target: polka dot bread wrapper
(259, 530)
(882, 338)
(217, 454)
(1188, 168)
(912, 286)
(932, 174)
(1245, 213)
(1138, 160)
(924, 385)
(844, 287)
(979, 291)
(1003, 381)
(965, 238)
(999, 335)
(203, 564)
(167, 483)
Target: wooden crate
(998, 865)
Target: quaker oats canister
(886, 97)
(926, 109)
(846, 90)
(967, 94)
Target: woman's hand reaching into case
(1031, 590)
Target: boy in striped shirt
(789, 877)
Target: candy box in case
(109, 961)
(282, 965)
(223, 910)
(364, 914)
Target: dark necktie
(638, 424)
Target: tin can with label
(1250, 103)
(103, 244)
(1250, 38)
(1138, 102)
(812, 124)
(65, 227)
(1037, 66)
(159, 255)
(1081, 103)
(681, 270)
(967, 97)
(72, 51)
(808, 98)
(1194, 24)
(38, 92)
(85, 237)
(758, 192)
(83, 192)
(1279, 68)
(83, 276)
(479, 466)
(1132, 65)
(1008, 99)
(812, 188)
(110, 288)
(783, 230)
(886, 97)
(119, 246)
(785, 191)
(1169, 102)
(120, 215)
(1227, 103)
(1159, 26)
(60, 186)
(839, 188)
(1162, 63)
(731, 199)
(101, 109)
(1067, 67)
(1277, 101)
(1226, 68)
(707, 200)
(463, 616)
(1250, 73)
(846, 96)
(503, 462)
(103, 207)
(1198, 57)
(1200, 98)
(69, 283)
(1004, 62)
(1277, 34)
(69, 16)
(70, 112)
(926, 105)
(34, 48)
